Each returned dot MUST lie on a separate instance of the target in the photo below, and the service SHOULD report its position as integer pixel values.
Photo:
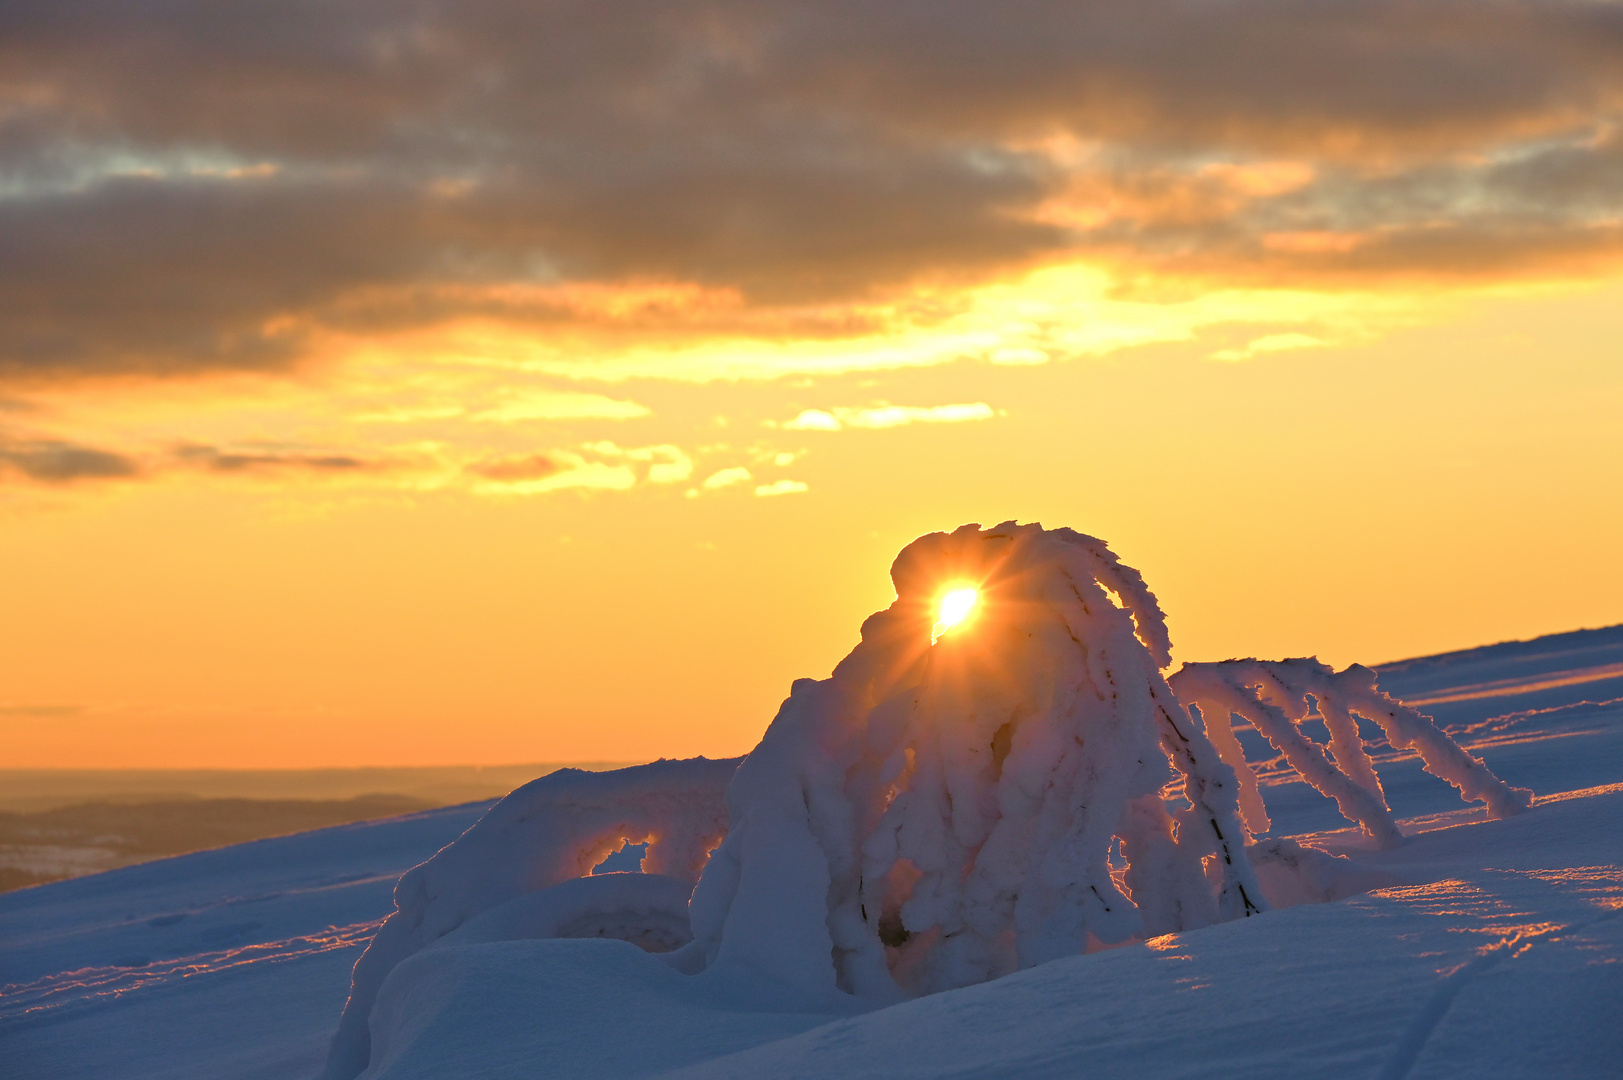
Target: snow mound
(935, 815)
(997, 776)
(549, 832)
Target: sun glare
(955, 608)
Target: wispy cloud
(269, 459)
(887, 416)
(559, 405)
(667, 464)
(40, 712)
(781, 487)
(57, 461)
(518, 468)
(728, 477)
(601, 465)
(538, 474)
(1269, 343)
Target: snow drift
(952, 805)
(518, 872)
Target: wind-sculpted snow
(959, 801)
(548, 832)
(937, 815)
(1275, 697)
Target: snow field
(973, 787)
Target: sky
(393, 383)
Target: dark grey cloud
(50, 460)
(267, 460)
(56, 461)
(195, 183)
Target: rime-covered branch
(1276, 696)
(1441, 756)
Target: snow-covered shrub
(935, 815)
(954, 803)
(1276, 696)
(548, 833)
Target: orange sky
(346, 422)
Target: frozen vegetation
(1014, 846)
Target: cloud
(814, 420)
(538, 474)
(555, 470)
(268, 460)
(887, 416)
(560, 405)
(781, 487)
(56, 461)
(41, 712)
(46, 459)
(737, 474)
(1267, 344)
(422, 466)
(182, 191)
(668, 464)
(518, 468)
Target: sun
(956, 606)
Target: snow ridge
(546, 833)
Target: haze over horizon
(399, 385)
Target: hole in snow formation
(956, 606)
(891, 930)
(627, 858)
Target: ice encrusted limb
(549, 831)
(1274, 696)
(937, 815)
(1254, 690)
(1440, 755)
(1216, 711)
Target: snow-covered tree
(942, 810)
(997, 775)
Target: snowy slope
(226, 963)
(1515, 971)
(1494, 948)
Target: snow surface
(549, 833)
(1476, 948)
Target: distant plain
(64, 823)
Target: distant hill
(1604, 640)
(70, 841)
(64, 823)
(441, 785)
